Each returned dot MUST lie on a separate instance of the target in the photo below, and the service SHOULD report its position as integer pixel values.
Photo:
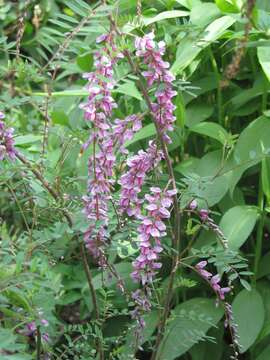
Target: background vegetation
(220, 53)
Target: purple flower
(151, 230)
(214, 280)
(157, 73)
(193, 205)
(98, 111)
(7, 149)
(132, 181)
(204, 214)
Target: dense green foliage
(220, 53)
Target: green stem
(264, 95)
(259, 234)
(219, 93)
(38, 343)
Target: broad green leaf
(263, 53)
(199, 87)
(85, 62)
(246, 95)
(237, 224)
(203, 14)
(265, 354)
(229, 6)
(248, 312)
(189, 4)
(180, 111)
(137, 22)
(188, 50)
(212, 130)
(254, 142)
(144, 133)
(189, 324)
(264, 266)
(130, 89)
(209, 350)
(59, 117)
(188, 166)
(165, 15)
(198, 112)
(26, 139)
(208, 179)
(263, 287)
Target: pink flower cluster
(123, 130)
(100, 102)
(132, 181)
(7, 149)
(158, 73)
(98, 111)
(151, 230)
(107, 137)
(31, 328)
(214, 280)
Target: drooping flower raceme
(97, 112)
(151, 230)
(132, 181)
(7, 149)
(106, 137)
(214, 280)
(157, 73)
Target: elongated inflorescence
(157, 74)
(97, 112)
(107, 138)
(213, 280)
(7, 149)
(151, 230)
(132, 181)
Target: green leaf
(27, 139)
(165, 15)
(151, 321)
(266, 178)
(265, 354)
(180, 111)
(136, 23)
(237, 224)
(188, 325)
(229, 6)
(130, 89)
(189, 4)
(144, 133)
(248, 312)
(85, 62)
(202, 14)
(263, 53)
(59, 117)
(212, 130)
(198, 112)
(264, 266)
(254, 142)
(17, 297)
(188, 50)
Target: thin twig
(38, 343)
(93, 296)
(45, 184)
